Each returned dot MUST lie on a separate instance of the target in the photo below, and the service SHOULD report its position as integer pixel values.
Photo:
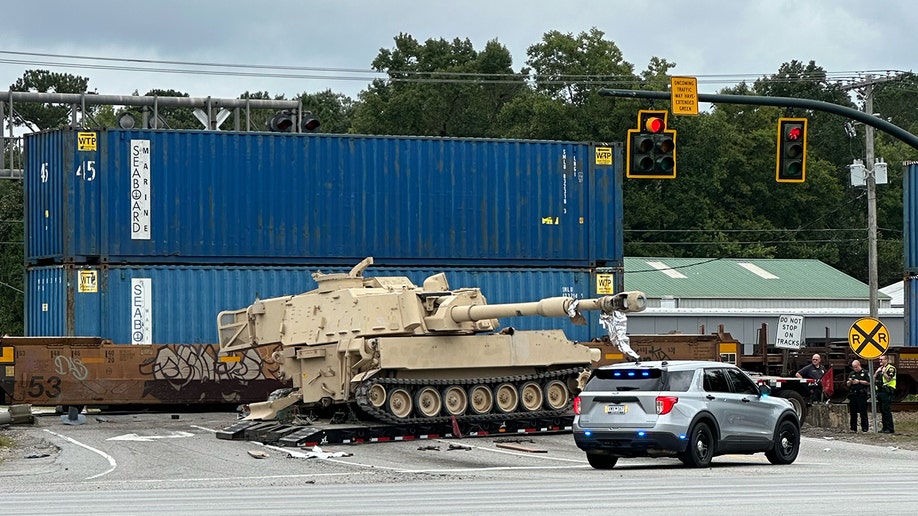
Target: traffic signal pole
(756, 100)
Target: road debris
(517, 447)
(258, 454)
(314, 453)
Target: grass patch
(6, 442)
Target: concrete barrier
(833, 415)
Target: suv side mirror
(764, 389)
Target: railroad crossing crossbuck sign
(868, 337)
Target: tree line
(724, 202)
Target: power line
(331, 73)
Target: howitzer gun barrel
(551, 307)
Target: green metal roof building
(697, 295)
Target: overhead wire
(417, 76)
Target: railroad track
(905, 406)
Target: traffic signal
(791, 150)
(651, 148)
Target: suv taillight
(577, 406)
(665, 404)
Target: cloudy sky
(336, 40)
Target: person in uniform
(858, 389)
(815, 371)
(885, 382)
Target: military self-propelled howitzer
(408, 354)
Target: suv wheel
(700, 448)
(796, 400)
(601, 460)
(787, 444)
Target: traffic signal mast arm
(756, 100)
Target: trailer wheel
(796, 400)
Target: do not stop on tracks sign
(868, 337)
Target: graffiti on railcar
(177, 368)
(92, 371)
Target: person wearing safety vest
(885, 382)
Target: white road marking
(149, 438)
(109, 458)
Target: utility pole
(870, 178)
(870, 168)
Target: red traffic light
(791, 155)
(654, 124)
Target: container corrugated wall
(911, 310)
(179, 304)
(178, 197)
(910, 216)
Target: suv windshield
(640, 380)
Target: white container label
(140, 189)
(141, 311)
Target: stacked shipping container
(910, 208)
(143, 236)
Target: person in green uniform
(885, 382)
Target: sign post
(790, 330)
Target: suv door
(718, 396)
(754, 415)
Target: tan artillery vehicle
(406, 354)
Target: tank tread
(361, 395)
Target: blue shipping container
(182, 197)
(911, 310)
(910, 216)
(179, 304)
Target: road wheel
(556, 395)
(531, 396)
(481, 400)
(377, 395)
(601, 460)
(506, 397)
(700, 450)
(796, 400)
(428, 402)
(787, 444)
(400, 403)
(455, 400)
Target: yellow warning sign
(6, 355)
(603, 155)
(86, 141)
(684, 91)
(605, 284)
(89, 281)
(868, 337)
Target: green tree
(46, 115)
(12, 281)
(438, 88)
(335, 111)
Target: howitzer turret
(404, 353)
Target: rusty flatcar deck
(95, 372)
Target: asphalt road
(173, 464)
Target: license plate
(616, 409)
